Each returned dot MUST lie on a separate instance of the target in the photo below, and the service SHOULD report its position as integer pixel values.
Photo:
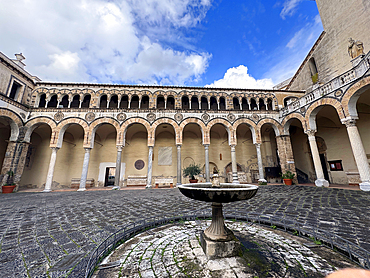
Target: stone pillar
(49, 178)
(108, 101)
(200, 104)
(260, 165)
(359, 154)
(85, 168)
(150, 167)
(190, 104)
(178, 165)
(69, 103)
(206, 154)
(234, 166)
(320, 179)
(117, 177)
(209, 104)
(79, 106)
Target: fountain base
(214, 249)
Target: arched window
(236, 105)
(144, 102)
(64, 103)
(313, 70)
(160, 102)
(269, 104)
(134, 102)
(53, 101)
(204, 103)
(170, 102)
(185, 102)
(75, 101)
(194, 102)
(103, 101)
(213, 103)
(113, 103)
(124, 102)
(222, 103)
(86, 101)
(42, 101)
(253, 104)
(245, 105)
(262, 104)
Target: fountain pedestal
(217, 240)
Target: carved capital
(206, 146)
(311, 133)
(349, 123)
(87, 150)
(119, 148)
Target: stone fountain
(217, 240)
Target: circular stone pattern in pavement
(174, 251)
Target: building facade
(63, 135)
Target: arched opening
(160, 102)
(170, 102)
(245, 105)
(38, 157)
(102, 167)
(213, 101)
(103, 101)
(222, 103)
(144, 102)
(134, 102)
(124, 102)
(113, 103)
(194, 102)
(185, 102)
(204, 103)
(42, 101)
(75, 101)
(192, 150)
(219, 150)
(53, 101)
(86, 101)
(269, 104)
(313, 70)
(65, 102)
(236, 105)
(5, 131)
(262, 105)
(246, 154)
(68, 166)
(269, 151)
(253, 104)
(135, 155)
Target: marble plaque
(165, 156)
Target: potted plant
(9, 186)
(288, 177)
(191, 171)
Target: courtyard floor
(51, 234)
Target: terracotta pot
(8, 188)
(288, 181)
(193, 181)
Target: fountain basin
(226, 193)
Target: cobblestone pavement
(50, 234)
(175, 251)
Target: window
(336, 165)
(15, 90)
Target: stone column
(200, 104)
(320, 179)
(150, 166)
(190, 104)
(206, 155)
(85, 168)
(260, 165)
(49, 178)
(69, 103)
(178, 165)
(234, 166)
(359, 154)
(117, 176)
(79, 106)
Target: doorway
(110, 173)
(324, 168)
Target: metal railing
(354, 252)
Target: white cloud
(289, 7)
(238, 77)
(103, 41)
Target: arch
(103, 101)
(57, 136)
(170, 102)
(288, 119)
(129, 122)
(75, 101)
(144, 104)
(134, 102)
(315, 108)
(236, 105)
(36, 122)
(124, 102)
(86, 101)
(97, 123)
(53, 101)
(202, 126)
(245, 105)
(42, 101)
(204, 103)
(351, 96)
(213, 103)
(113, 102)
(270, 105)
(64, 101)
(275, 125)
(14, 121)
(160, 102)
(229, 128)
(194, 102)
(185, 102)
(250, 123)
(170, 122)
(253, 104)
(222, 103)
(261, 104)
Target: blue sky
(245, 43)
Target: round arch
(97, 123)
(351, 96)
(126, 124)
(248, 122)
(62, 127)
(14, 121)
(288, 120)
(275, 125)
(229, 128)
(171, 123)
(36, 122)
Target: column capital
(311, 133)
(178, 146)
(87, 150)
(349, 122)
(54, 148)
(206, 146)
(257, 145)
(119, 148)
